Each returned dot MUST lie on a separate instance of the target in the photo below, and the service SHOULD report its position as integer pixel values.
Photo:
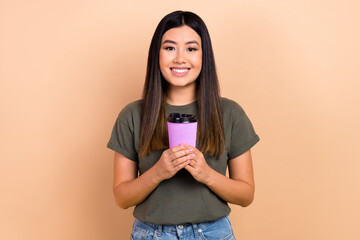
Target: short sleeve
(122, 135)
(243, 135)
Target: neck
(180, 96)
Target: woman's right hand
(171, 161)
(130, 190)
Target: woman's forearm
(230, 190)
(133, 192)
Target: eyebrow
(173, 42)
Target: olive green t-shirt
(181, 199)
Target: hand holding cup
(172, 160)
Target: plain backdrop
(68, 67)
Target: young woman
(182, 192)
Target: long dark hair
(153, 131)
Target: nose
(179, 57)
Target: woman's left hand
(198, 167)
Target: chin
(181, 84)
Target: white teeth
(179, 70)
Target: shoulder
(230, 107)
(130, 111)
(134, 106)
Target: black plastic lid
(181, 118)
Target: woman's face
(180, 56)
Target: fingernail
(191, 149)
(192, 155)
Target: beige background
(68, 67)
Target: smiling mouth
(180, 70)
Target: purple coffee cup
(182, 129)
